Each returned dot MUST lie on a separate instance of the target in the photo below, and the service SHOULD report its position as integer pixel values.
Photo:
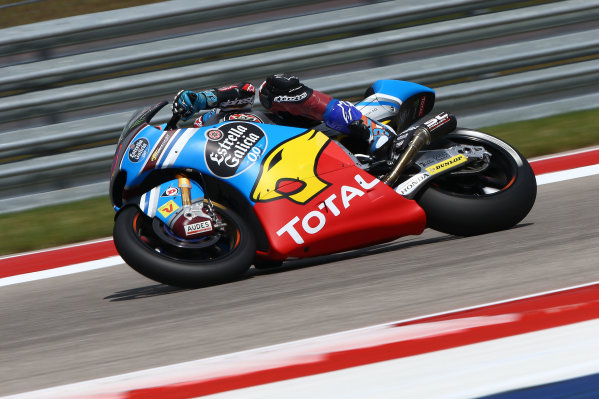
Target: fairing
(344, 208)
(164, 200)
(307, 193)
(388, 98)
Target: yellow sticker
(447, 164)
(168, 208)
(280, 172)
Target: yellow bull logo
(289, 170)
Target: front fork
(185, 187)
(171, 198)
(192, 210)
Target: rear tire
(228, 258)
(495, 199)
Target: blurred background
(72, 72)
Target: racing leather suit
(289, 99)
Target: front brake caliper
(179, 205)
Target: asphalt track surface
(111, 321)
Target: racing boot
(401, 141)
(285, 94)
(379, 137)
(344, 117)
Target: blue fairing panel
(231, 151)
(164, 200)
(387, 97)
(400, 89)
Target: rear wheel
(181, 263)
(495, 198)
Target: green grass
(85, 220)
(552, 134)
(56, 225)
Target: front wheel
(496, 198)
(222, 258)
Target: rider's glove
(187, 102)
(282, 88)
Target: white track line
(463, 372)
(569, 174)
(112, 387)
(62, 271)
(546, 178)
(79, 244)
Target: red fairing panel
(334, 207)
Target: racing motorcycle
(198, 206)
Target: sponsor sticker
(236, 102)
(233, 147)
(293, 99)
(411, 184)
(437, 121)
(167, 209)
(243, 117)
(278, 176)
(314, 221)
(138, 150)
(161, 146)
(214, 134)
(170, 192)
(197, 228)
(447, 164)
(421, 107)
(249, 88)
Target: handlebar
(172, 123)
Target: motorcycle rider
(292, 102)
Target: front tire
(145, 252)
(495, 199)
